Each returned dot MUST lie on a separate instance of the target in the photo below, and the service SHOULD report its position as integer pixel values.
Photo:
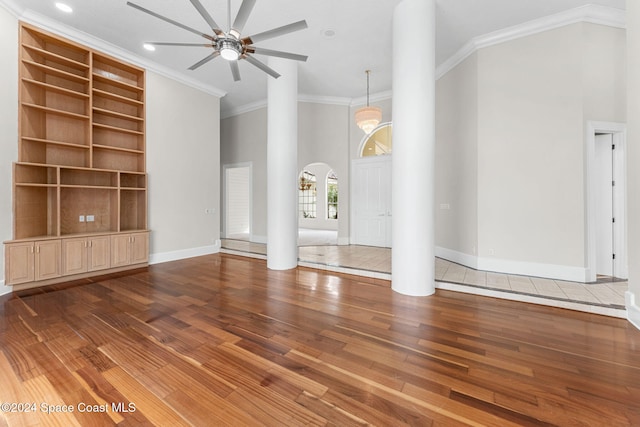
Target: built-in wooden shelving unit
(80, 184)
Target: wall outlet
(90, 218)
(210, 211)
(445, 206)
(81, 219)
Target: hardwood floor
(221, 340)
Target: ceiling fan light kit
(368, 118)
(230, 45)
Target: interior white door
(371, 201)
(604, 204)
(238, 202)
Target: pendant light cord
(368, 72)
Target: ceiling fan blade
(262, 66)
(179, 44)
(278, 53)
(235, 70)
(204, 60)
(276, 32)
(203, 12)
(170, 21)
(243, 14)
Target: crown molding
(330, 100)
(247, 108)
(374, 97)
(12, 7)
(92, 42)
(315, 99)
(594, 14)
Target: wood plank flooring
(221, 340)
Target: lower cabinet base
(92, 276)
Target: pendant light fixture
(367, 118)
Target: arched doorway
(318, 198)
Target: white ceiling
(335, 67)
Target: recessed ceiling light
(64, 7)
(149, 47)
(329, 33)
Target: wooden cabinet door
(19, 262)
(139, 248)
(120, 250)
(74, 256)
(47, 261)
(99, 253)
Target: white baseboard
(343, 241)
(4, 290)
(633, 310)
(524, 268)
(258, 239)
(467, 260)
(184, 253)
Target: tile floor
(605, 297)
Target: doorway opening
(318, 191)
(606, 201)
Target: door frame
(619, 136)
(225, 197)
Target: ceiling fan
(231, 45)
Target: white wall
(243, 139)
(603, 73)
(323, 138)
(530, 161)
(323, 132)
(633, 171)
(8, 123)
(518, 110)
(457, 161)
(183, 163)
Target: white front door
(371, 201)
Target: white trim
(329, 100)
(533, 269)
(184, 253)
(374, 97)
(316, 99)
(532, 299)
(633, 310)
(255, 238)
(12, 7)
(93, 42)
(4, 290)
(343, 241)
(594, 14)
(619, 131)
(247, 108)
(366, 137)
(522, 268)
(467, 260)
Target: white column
(413, 188)
(282, 166)
(633, 159)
